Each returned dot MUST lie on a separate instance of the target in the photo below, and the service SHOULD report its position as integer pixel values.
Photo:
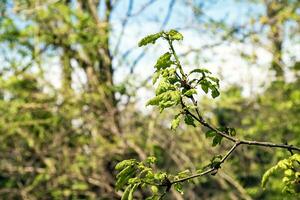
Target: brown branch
(193, 176)
(246, 142)
(213, 170)
(269, 144)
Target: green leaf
(190, 92)
(184, 173)
(169, 98)
(164, 86)
(151, 160)
(204, 88)
(215, 93)
(165, 99)
(214, 79)
(160, 176)
(267, 174)
(154, 189)
(124, 176)
(176, 121)
(189, 120)
(175, 35)
(155, 77)
(217, 140)
(216, 161)
(231, 131)
(150, 39)
(125, 171)
(154, 101)
(126, 193)
(121, 165)
(133, 180)
(200, 70)
(164, 61)
(286, 165)
(210, 133)
(130, 195)
(178, 188)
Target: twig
(213, 169)
(193, 176)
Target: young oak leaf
(190, 92)
(163, 61)
(175, 35)
(215, 92)
(189, 120)
(150, 39)
(176, 121)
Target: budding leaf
(190, 92)
(216, 161)
(175, 35)
(214, 79)
(231, 131)
(217, 140)
(130, 195)
(121, 165)
(178, 187)
(204, 88)
(150, 39)
(154, 189)
(151, 160)
(163, 61)
(124, 176)
(164, 86)
(287, 166)
(210, 133)
(154, 101)
(215, 93)
(155, 77)
(189, 120)
(199, 70)
(126, 193)
(176, 121)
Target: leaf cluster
(133, 175)
(291, 178)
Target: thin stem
(212, 169)
(176, 58)
(230, 152)
(246, 142)
(204, 123)
(269, 144)
(194, 176)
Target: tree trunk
(276, 33)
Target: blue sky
(225, 58)
(221, 59)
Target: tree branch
(237, 142)
(193, 176)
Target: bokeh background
(74, 84)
